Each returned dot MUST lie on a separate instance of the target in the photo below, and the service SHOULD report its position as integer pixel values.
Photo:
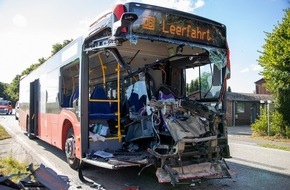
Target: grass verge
(3, 133)
(10, 165)
(275, 146)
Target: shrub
(288, 132)
(277, 125)
(260, 127)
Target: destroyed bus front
(141, 61)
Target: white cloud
(182, 5)
(198, 4)
(252, 67)
(256, 67)
(19, 20)
(245, 70)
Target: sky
(29, 28)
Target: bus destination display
(166, 25)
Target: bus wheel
(29, 135)
(71, 158)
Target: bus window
(69, 83)
(204, 82)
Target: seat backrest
(74, 96)
(99, 107)
(134, 102)
(164, 93)
(142, 101)
(65, 102)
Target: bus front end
(164, 74)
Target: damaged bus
(116, 97)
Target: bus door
(33, 108)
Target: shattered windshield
(205, 82)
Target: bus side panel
(23, 119)
(53, 128)
(46, 125)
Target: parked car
(5, 107)
(17, 110)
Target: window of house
(240, 107)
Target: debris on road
(42, 178)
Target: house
(260, 88)
(244, 108)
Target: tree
(205, 86)
(58, 46)
(275, 61)
(2, 92)
(12, 89)
(229, 89)
(192, 86)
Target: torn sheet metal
(202, 170)
(192, 127)
(49, 178)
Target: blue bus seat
(100, 110)
(74, 96)
(136, 103)
(65, 101)
(133, 102)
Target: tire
(29, 135)
(71, 158)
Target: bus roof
(160, 24)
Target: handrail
(103, 70)
(119, 106)
(103, 100)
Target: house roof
(247, 97)
(261, 81)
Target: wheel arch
(66, 127)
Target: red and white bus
(116, 96)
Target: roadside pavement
(240, 130)
(244, 133)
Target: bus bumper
(205, 170)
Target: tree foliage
(192, 86)
(275, 61)
(58, 46)
(11, 91)
(2, 90)
(275, 58)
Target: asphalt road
(253, 167)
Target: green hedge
(278, 126)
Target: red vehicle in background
(5, 106)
